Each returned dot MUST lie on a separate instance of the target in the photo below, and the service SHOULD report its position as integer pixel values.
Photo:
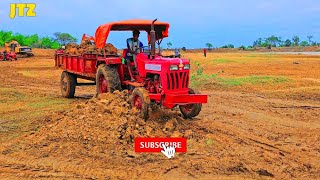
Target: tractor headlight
(174, 67)
(186, 66)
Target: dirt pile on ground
(103, 123)
(88, 47)
(98, 136)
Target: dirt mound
(103, 123)
(110, 49)
(72, 48)
(94, 134)
(43, 52)
(88, 46)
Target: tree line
(275, 41)
(36, 41)
(60, 39)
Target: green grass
(31, 74)
(16, 105)
(209, 142)
(47, 103)
(270, 55)
(198, 80)
(19, 110)
(224, 61)
(10, 95)
(251, 56)
(253, 79)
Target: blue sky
(193, 23)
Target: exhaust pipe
(153, 39)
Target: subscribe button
(156, 144)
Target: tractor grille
(177, 80)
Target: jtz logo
(20, 9)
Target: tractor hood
(162, 65)
(172, 60)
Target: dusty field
(262, 121)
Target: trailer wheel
(107, 79)
(190, 110)
(68, 83)
(140, 99)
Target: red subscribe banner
(156, 144)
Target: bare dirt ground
(250, 128)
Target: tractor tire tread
(111, 75)
(196, 107)
(71, 84)
(144, 94)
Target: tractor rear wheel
(107, 79)
(190, 110)
(140, 99)
(68, 83)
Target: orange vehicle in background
(86, 38)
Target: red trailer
(159, 79)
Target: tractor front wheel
(107, 79)
(68, 83)
(141, 101)
(190, 110)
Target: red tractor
(158, 79)
(8, 56)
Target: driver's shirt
(133, 45)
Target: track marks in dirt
(222, 143)
(285, 146)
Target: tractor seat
(124, 53)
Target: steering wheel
(146, 49)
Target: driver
(134, 47)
